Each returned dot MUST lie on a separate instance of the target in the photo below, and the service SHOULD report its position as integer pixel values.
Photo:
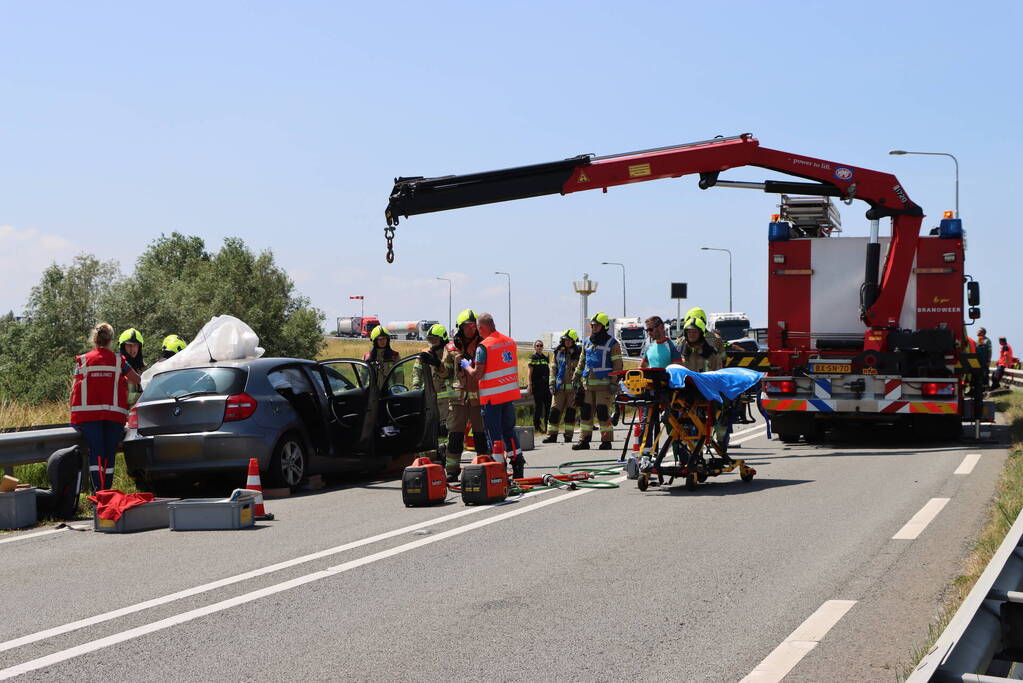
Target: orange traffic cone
(253, 484)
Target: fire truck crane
(846, 341)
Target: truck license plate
(831, 368)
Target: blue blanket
(716, 385)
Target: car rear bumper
(171, 455)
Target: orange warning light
(949, 214)
(775, 217)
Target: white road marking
(72, 652)
(213, 585)
(968, 463)
(47, 532)
(784, 658)
(915, 526)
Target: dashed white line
(784, 658)
(968, 463)
(130, 634)
(915, 526)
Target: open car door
(353, 400)
(407, 417)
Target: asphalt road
(719, 584)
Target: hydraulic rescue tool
(849, 338)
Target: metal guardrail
(34, 445)
(984, 640)
(1013, 378)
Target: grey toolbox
(152, 515)
(18, 508)
(203, 514)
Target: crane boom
(707, 158)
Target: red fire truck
(851, 336)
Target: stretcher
(685, 414)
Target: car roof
(248, 363)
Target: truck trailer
(860, 329)
(356, 326)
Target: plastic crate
(151, 515)
(208, 514)
(524, 436)
(18, 509)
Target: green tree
(36, 353)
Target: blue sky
(285, 123)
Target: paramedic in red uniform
(497, 367)
(99, 403)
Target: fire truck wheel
(788, 437)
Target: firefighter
(381, 357)
(130, 345)
(99, 403)
(698, 352)
(538, 386)
(697, 313)
(431, 356)
(172, 344)
(1005, 362)
(464, 404)
(984, 355)
(497, 369)
(562, 386)
(602, 355)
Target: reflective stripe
(113, 409)
(97, 368)
(490, 391)
(94, 468)
(497, 374)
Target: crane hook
(389, 236)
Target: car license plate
(831, 368)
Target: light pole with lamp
(448, 280)
(730, 309)
(937, 154)
(612, 263)
(508, 275)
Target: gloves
(465, 364)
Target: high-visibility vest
(500, 380)
(598, 360)
(100, 390)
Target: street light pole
(612, 263)
(508, 275)
(730, 309)
(448, 280)
(937, 154)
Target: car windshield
(632, 333)
(177, 383)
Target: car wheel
(289, 463)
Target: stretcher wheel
(746, 473)
(691, 482)
(643, 482)
(701, 477)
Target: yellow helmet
(466, 316)
(438, 330)
(696, 323)
(696, 312)
(130, 335)
(570, 334)
(173, 343)
(601, 318)
(377, 331)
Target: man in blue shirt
(660, 351)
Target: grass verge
(1004, 509)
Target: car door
(407, 419)
(353, 406)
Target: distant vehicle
(630, 334)
(356, 326)
(297, 417)
(410, 329)
(730, 326)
